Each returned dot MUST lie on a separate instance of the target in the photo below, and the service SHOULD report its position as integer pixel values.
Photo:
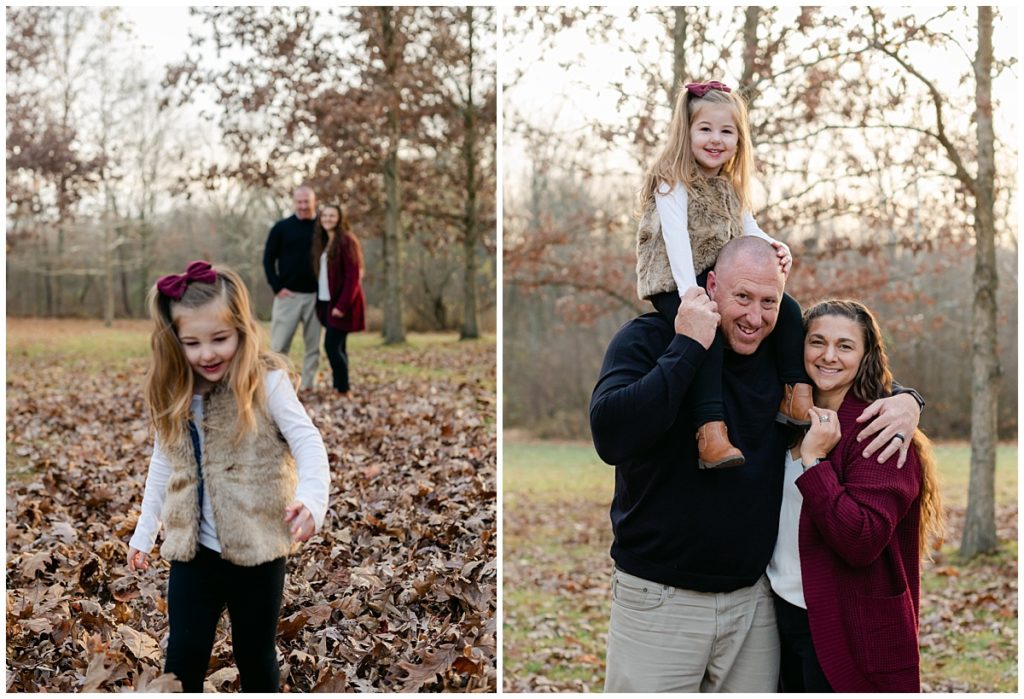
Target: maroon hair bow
(173, 285)
(701, 89)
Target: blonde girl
(695, 198)
(238, 474)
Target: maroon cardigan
(860, 560)
(346, 290)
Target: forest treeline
(119, 170)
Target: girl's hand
(301, 520)
(823, 435)
(336, 313)
(785, 257)
(137, 560)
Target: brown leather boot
(798, 400)
(714, 449)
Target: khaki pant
(285, 317)
(666, 639)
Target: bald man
(288, 263)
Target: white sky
(162, 30)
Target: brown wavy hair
(170, 381)
(676, 164)
(874, 381)
(342, 242)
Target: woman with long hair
(341, 306)
(846, 567)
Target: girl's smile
(209, 340)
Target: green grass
(90, 346)
(544, 468)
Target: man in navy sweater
(692, 608)
(288, 263)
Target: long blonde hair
(170, 382)
(873, 381)
(676, 164)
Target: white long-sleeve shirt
(673, 206)
(304, 442)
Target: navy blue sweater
(704, 530)
(287, 256)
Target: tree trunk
(678, 53)
(470, 329)
(980, 526)
(394, 326)
(751, 18)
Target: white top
(784, 568)
(672, 210)
(304, 442)
(323, 288)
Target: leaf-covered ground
(397, 592)
(556, 575)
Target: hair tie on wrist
(701, 89)
(173, 285)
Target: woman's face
(329, 218)
(833, 350)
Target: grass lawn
(556, 535)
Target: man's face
(748, 295)
(305, 203)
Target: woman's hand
(895, 421)
(301, 521)
(335, 313)
(823, 435)
(785, 257)
(137, 560)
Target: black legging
(196, 596)
(707, 383)
(799, 670)
(337, 355)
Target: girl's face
(713, 137)
(209, 339)
(833, 350)
(329, 219)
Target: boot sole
(726, 463)
(787, 420)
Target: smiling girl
(695, 199)
(238, 474)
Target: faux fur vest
(249, 485)
(713, 219)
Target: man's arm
(640, 393)
(271, 251)
(898, 414)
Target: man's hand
(335, 313)
(895, 420)
(285, 293)
(697, 317)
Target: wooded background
(119, 170)
(886, 150)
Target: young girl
(697, 194)
(341, 306)
(229, 433)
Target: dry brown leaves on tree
(396, 593)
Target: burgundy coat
(860, 560)
(346, 290)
